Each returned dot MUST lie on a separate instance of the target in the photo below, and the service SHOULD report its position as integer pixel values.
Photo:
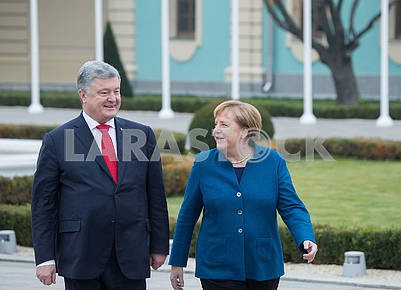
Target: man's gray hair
(94, 69)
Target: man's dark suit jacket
(79, 215)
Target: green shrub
(281, 106)
(15, 190)
(23, 131)
(112, 56)
(176, 171)
(334, 242)
(362, 148)
(170, 142)
(204, 119)
(17, 218)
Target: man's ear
(82, 96)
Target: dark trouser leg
(79, 284)
(209, 284)
(111, 279)
(114, 279)
(263, 285)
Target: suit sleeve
(157, 203)
(44, 203)
(291, 208)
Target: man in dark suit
(99, 213)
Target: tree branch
(354, 42)
(336, 14)
(351, 19)
(288, 19)
(339, 5)
(275, 16)
(330, 27)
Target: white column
(307, 117)
(35, 106)
(384, 120)
(166, 111)
(235, 88)
(99, 29)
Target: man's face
(103, 100)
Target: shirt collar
(92, 123)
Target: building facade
(270, 59)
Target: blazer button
(240, 230)
(239, 194)
(113, 221)
(239, 212)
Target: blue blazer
(238, 237)
(79, 215)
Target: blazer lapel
(85, 136)
(119, 140)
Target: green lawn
(344, 192)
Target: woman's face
(227, 133)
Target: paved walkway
(309, 276)
(285, 127)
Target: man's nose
(111, 97)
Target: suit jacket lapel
(119, 140)
(85, 136)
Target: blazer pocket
(215, 250)
(264, 249)
(69, 226)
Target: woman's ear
(244, 133)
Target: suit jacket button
(113, 221)
(239, 194)
(240, 230)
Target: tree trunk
(345, 81)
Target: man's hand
(46, 274)
(156, 260)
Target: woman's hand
(177, 278)
(311, 250)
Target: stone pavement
(304, 274)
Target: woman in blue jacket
(240, 186)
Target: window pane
(186, 18)
(398, 21)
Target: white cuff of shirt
(47, 263)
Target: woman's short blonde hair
(246, 115)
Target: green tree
(112, 56)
